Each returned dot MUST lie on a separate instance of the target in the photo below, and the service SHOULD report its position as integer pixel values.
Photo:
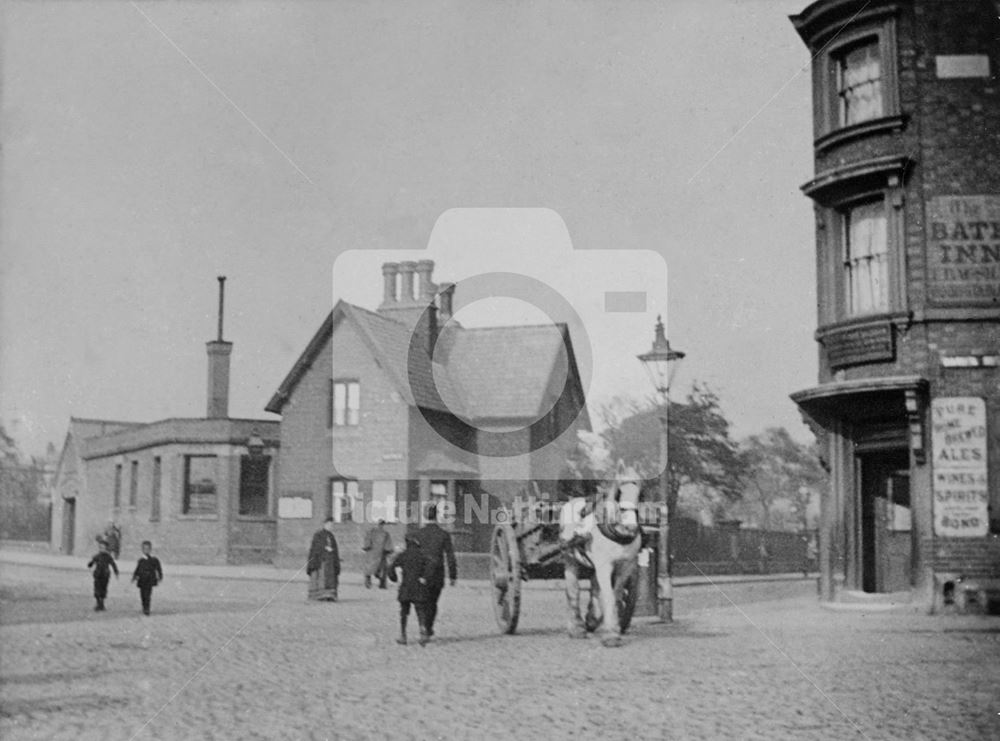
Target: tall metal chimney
(218, 366)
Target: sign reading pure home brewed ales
(958, 437)
(963, 250)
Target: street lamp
(661, 363)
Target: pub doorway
(886, 522)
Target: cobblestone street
(232, 659)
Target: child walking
(411, 591)
(148, 573)
(101, 566)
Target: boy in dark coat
(411, 590)
(148, 573)
(102, 564)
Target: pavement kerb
(272, 573)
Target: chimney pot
(406, 270)
(425, 269)
(389, 270)
(446, 293)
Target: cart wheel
(505, 574)
(627, 599)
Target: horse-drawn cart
(529, 544)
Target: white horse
(603, 545)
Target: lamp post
(661, 363)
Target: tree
(783, 475)
(701, 451)
(22, 514)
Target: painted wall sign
(958, 436)
(963, 250)
(859, 345)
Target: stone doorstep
(850, 600)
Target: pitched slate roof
(484, 373)
(507, 372)
(421, 382)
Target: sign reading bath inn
(958, 436)
(963, 250)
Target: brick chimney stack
(219, 352)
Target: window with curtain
(345, 403)
(859, 84)
(866, 258)
(343, 499)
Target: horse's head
(621, 508)
(629, 486)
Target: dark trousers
(145, 594)
(431, 607)
(101, 586)
(404, 612)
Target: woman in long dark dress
(323, 565)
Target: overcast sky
(149, 147)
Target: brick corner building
(906, 111)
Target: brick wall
(971, 558)
(312, 453)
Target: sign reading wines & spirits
(958, 437)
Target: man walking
(377, 547)
(436, 546)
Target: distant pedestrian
(811, 553)
(112, 535)
(377, 547)
(323, 564)
(411, 591)
(437, 549)
(101, 566)
(764, 557)
(148, 573)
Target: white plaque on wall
(295, 508)
(958, 437)
(962, 65)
